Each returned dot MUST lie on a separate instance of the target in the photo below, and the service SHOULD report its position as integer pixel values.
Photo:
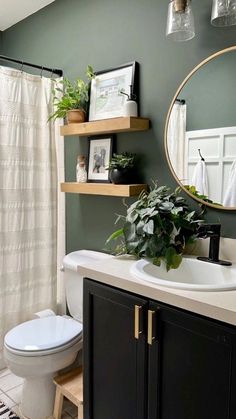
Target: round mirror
(200, 132)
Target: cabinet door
(114, 360)
(190, 367)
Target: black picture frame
(99, 155)
(105, 100)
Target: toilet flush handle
(62, 269)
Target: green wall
(210, 94)
(69, 34)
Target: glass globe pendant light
(223, 13)
(180, 20)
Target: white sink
(192, 274)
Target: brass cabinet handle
(150, 337)
(137, 310)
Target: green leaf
(149, 227)
(157, 261)
(179, 200)
(132, 216)
(115, 235)
(156, 246)
(129, 232)
(133, 246)
(173, 259)
(189, 216)
(143, 248)
(167, 226)
(140, 227)
(191, 240)
(89, 72)
(166, 206)
(147, 212)
(176, 210)
(119, 218)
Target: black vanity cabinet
(192, 367)
(115, 362)
(145, 360)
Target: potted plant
(158, 226)
(71, 99)
(121, 168)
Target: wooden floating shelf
(106, 126)
(108, 189)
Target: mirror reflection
(201, 132)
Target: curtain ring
(22, 64)
(41, 74)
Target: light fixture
(180, 21)
(223, 13)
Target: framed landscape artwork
(106, 101)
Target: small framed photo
(99, 156)
(106, 101)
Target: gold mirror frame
(202, 63)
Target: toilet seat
(43, 336)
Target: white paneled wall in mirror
(218, 149)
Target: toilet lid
(43, 334)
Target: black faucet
(213, 232)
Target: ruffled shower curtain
(28, 199)
(176, 139)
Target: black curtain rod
(40, 67)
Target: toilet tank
(74, 281)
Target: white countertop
(115, 271)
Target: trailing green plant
(158, 226)
(192, 189)
(122, 161)
(68, 95)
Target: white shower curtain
(28, 198)
(176, 139)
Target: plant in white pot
(70, 100)
(122, 168)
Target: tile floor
(10, 394)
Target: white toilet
(37, 349)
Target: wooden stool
(69, 385)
